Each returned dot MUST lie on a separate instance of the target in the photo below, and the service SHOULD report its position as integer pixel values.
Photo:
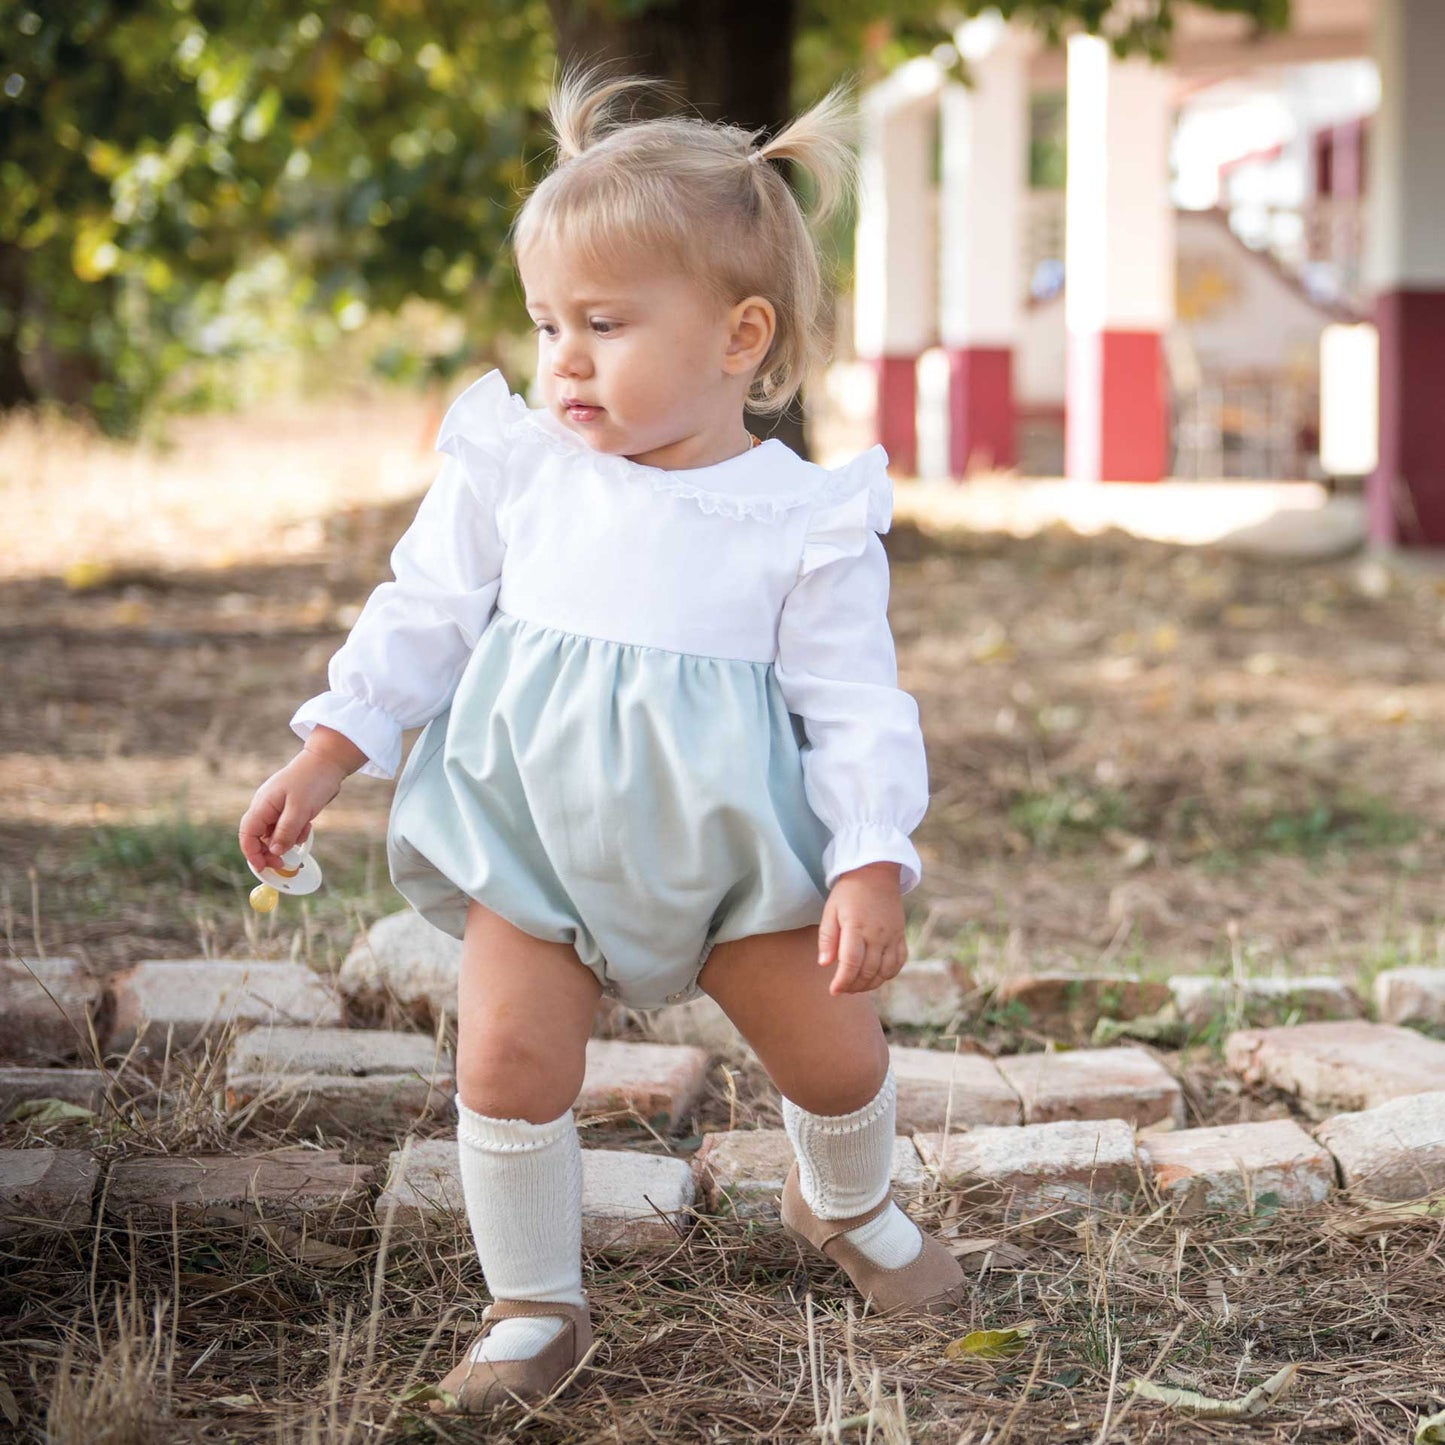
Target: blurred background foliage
(187, 185)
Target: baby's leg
(829, 1058)
(525, 1010)
(825, 1052)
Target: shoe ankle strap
(506, 1309)
(834, 1227)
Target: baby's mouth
(580, 410)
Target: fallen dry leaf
(989, 1344)
(1206, 1407)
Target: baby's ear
(752, 325)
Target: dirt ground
(1141, 756)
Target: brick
(617, 1185)
(193, 1000)
(928, 1077)
(1080, 1164)
(1394, 1151)
(662, 1082)
(741, 1173)
(1069, 1005)
(1412, 995)
(1262, 1002)
(46, 1189)
(45, 1007)
(86, 1087)
(700, 1022)
(1120, 1083)
(310, 1188)
(402, 959)
(1230, 1166)
(926, 993)
(1339, 1065)
(354, 1081)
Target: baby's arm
(401, 663)
(864, 768)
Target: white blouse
(763, 557)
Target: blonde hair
(702, 198)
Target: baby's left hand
(862, 929)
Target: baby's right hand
(281, 812)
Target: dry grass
(1141, 756)
(237, 1333)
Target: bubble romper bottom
(639, 804)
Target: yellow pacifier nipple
(264, 898)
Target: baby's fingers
(294, 823)
(828, 931)
(256, 824)
(852, 955)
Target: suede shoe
(931, 1284)
(481, 1386)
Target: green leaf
(49, 1111)
(989, 1344)
(426, 1395)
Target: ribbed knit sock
(523, 1188)
(844, 1164)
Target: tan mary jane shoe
(481, 1386)
(933, 1283)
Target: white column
(1119, 264)
(1405, 267)
(896, 251)
(984, 140)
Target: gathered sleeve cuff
(400, 665)
(374, 731)
(863, 843)
(864, 767)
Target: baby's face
(632, 363)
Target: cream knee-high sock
(844, 1164)
(523, 1188)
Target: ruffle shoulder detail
(480, 426)
(856, 502)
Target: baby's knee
(509, 1076)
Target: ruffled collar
(763, 483)
(746, 485)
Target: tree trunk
(15, 388)
(730, 59)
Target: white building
(1219, 213)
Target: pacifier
(299, 873)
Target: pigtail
(583, 107)
(823, 142)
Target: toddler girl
(665, 750)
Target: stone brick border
(641, 1201)
(631, 1202)
(46, 1008)
(180, 1003)
(1339, 1066)
(352, 1081)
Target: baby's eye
(604, 328)
(545, 328)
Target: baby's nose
(572, 361)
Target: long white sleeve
(864, 768)
(405, 655)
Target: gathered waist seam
(635, 646)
